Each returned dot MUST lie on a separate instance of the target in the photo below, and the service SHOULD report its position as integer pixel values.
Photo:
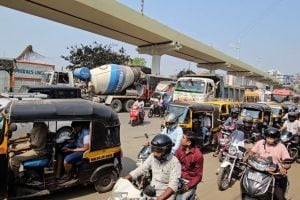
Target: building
(28, 70)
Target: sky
(264, 34)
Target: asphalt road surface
(132, 139)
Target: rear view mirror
(146, 135)
(288, 161)
(13, 127)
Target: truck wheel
(105, 182)
(128, 104)
(116, 105)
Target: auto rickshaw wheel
(105, 181)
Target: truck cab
(196, 89)
(58, 78)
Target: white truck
(201, 88)
(115, 85)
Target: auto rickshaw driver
(74, 155)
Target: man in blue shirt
(82, 145)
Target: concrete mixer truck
(115, 85)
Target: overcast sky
(264, 33)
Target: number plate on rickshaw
(255, 177)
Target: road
(132, 138)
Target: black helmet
(163, 144)
(248, 121)
(292, 116)
(273, 133)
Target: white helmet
(171, 120)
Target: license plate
(255, 177)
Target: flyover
(112, 19)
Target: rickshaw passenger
(82, 144)
(206, 126)
(36, 146)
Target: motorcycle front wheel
(223, 178)
(150, 113)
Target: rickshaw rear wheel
(105, 181)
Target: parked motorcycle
(124, 190)
(292, 144)
(136, 117)
(156, 110)
(231, 167)
(258, 180)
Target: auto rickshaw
(190, 116)
(100, 165)
(261, 114)
(224, 107)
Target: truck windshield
(190, 86)
(46, 78)
(255, 114)
(179, 111)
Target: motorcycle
(292, 144)
(124, 190)
(145, 179)
(258, 180)
(156, 110)
(136, 117)
(223, 141)
(231, 167)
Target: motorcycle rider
(292, 108)
(140, 103)
(166, 169)
(191, 160)
(173, 130)
(271, 147)
(292, 124)
(233, 117)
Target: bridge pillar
(156, 51)
(155, 64)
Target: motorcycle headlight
(232, 150)
(284, 139)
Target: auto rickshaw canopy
(61, 110)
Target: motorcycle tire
(223, 183)
(293, 153)
(132, 123)
(150, 113)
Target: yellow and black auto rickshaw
(191, 116)
(100, 165)
(224, 107)
(261, 114)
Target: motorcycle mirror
(150, 191)
(288, 161)
(146, 135)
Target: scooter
(124, 190)
(258, 180)
(135, 116)
(155, 110)
(292, 144)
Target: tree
(185, 72)
(95, 55)
(138, 62)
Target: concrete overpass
(112, 19)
